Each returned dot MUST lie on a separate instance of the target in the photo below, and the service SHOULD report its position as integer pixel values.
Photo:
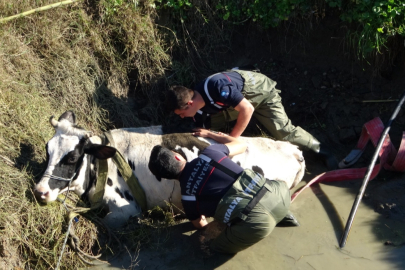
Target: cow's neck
(91, 172)
(90, 176)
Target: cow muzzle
(42, 194)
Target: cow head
(67, 159)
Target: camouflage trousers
(245, 230)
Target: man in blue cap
(239, 95)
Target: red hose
(390, 158)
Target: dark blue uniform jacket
(206, 183)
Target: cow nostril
(40, 194)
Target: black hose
(368, 173)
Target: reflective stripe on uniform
(201, 112)
(188, 198)
(206, 91)
(205, 158)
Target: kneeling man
(212, 185)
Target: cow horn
(53, 122)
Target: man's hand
(206, 133)
(200, 223)
(235, 145)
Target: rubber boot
(288, 221)
(325, 154)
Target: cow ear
(100, 151)
(70, 116)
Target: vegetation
(76, 57)
(377, 21)
(107, 60)
(372, 23)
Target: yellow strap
(127, 174)
(101, 180)
(131, 179)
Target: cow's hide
(72, 153)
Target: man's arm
(200, 223)
(235, 145)
(245, 109)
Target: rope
(64, 244)
(75, 240)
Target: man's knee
(244, 234)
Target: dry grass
(72, 57)
(32, 235)
(106, 62)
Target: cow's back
(276, 160)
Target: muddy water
(322, 212)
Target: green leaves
(178, 6)
(378, 20)
(266, 12)
(174, 4)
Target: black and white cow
(72, 154)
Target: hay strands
(29, 12)
(74, 243)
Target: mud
(375, 242)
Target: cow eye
(73, 159)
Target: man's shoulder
(213, 150)
(226, 76)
